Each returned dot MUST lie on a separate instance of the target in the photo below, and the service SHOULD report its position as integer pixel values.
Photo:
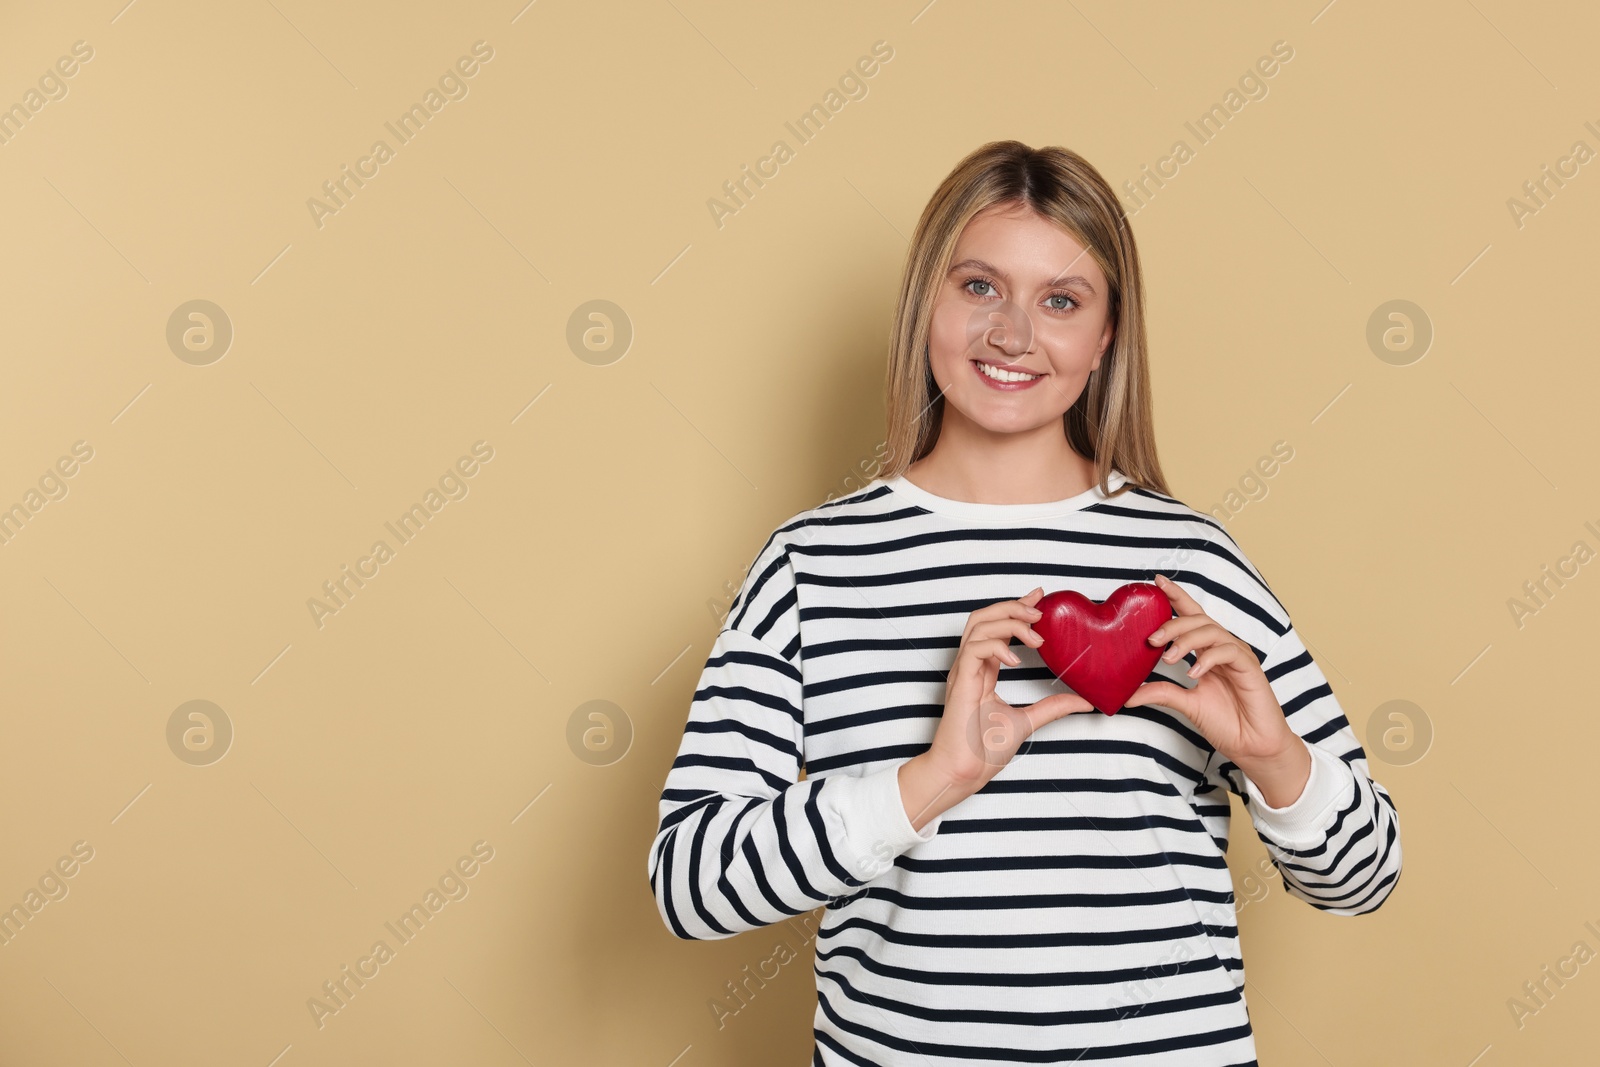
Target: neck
(971, 463)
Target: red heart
(1103, 650)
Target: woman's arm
(1337, 845)
(742, 842)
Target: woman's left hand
(1232, 705)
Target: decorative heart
(1102, 651)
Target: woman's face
(1025, 301)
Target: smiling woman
(1040, 331)
(1038, 279)
(1005, 880)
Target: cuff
(876, 826)
(1303, 823)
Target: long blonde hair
(1111, 420)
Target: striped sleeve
(1337, 845)
(742, 841)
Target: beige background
(589, 557)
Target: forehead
(1025, 244)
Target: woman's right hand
(979, 733)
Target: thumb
(1168, 694)
(1056, 706)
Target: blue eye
(1071, 302)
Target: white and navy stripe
(1080, 906)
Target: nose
(1006, 327)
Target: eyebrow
(990, 268)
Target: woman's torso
(1079, 906)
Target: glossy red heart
(1102, 651)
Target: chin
(1007, 421)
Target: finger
(1206, 635)
(1176, 625)
(1017, 628)
(1182, 602)
(1168, 694)
(995, 648)
(1228, 652)
(1005, 609)
(1055, 706)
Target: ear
(1105, 343)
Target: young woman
(1006, 881)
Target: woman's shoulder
(1204, 555)
(849, 514)
(766, 603)
(1164, 515)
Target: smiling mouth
(1003, 376)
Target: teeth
(1001, 375)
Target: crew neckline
(973, 510)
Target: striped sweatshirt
(1078, 907)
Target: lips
(977, 368)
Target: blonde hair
(1111, 420)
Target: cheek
(1073, 343)
(947, 342)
